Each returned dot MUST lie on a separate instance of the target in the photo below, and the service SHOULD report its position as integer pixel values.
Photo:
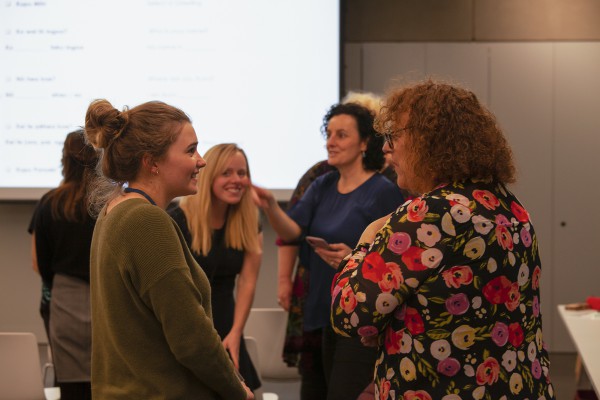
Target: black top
(221, 265)
(62, 247)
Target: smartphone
(317, 242)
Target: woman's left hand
(334, 255)
(232, 345)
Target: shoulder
(139, 214)
(177, 214)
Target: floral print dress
(451, 287)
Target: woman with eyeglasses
(336, 207)
(448, 286)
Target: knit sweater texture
(152, 329)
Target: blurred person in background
(62, 233)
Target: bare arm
(286, 260)
(285, 227)
(245, 288)
(34, 262)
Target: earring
(155, 171)
(364, 154)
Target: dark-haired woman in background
(62, 233)
(336, 207)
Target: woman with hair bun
(153, 335)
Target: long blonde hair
(241, 224)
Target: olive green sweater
(152, 330)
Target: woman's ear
(149, 164)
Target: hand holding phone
(317, 242)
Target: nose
(386, 148)
(200, 162)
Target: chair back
(268, 326)
(20, 369)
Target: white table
(584, 328)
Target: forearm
(286, 260)
(285, 227)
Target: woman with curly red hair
(447, 286)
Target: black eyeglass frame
(388, 137)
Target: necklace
(139, 191)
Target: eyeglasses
(389, 136)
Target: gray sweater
(152, 330)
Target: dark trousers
(75, 390)
(345, 369)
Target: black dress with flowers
(451, 286)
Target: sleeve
(43, 240)
(302, 211)
(377, 278)
(167, 287)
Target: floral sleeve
(377, 278)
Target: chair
(268, 326)
(252, 348)
(20, 371)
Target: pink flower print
(526, 237)
(414, 322)
(457, 276)
(367, 331)
(393, 340)
(536, 369)
(412, 259)
(455, 198)
(449, 367)
(515, 334)
(487, 372)
(384, 389)
(486, 199)
(348, 301)
(457, 304)
(496, 290)
(399, 242)
(417, 210)
(535, 305)
(514, 297)
(392, 278)
(429, 234)
(502, 220)
(500, 334)
(416, 395)
(504, 237)
(519, 212)
(460, 213)
(535, 278)
(373, 267)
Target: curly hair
(373, 159)
(451, 136)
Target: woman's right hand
(263, 198)
(284, 293)
(249, 394)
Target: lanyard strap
(139, 191)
